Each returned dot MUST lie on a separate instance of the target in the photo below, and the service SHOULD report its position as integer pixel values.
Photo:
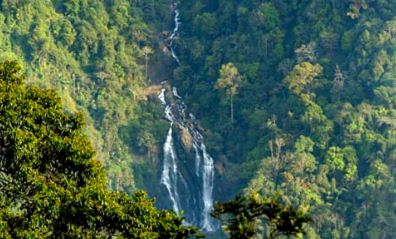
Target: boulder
(186, 139)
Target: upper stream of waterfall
(189, 182)
(174, 33)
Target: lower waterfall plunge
(169, 172)
(197, 190)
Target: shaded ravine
(188, 169)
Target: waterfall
(174, 91)
(174, 34)
(207, 177)
(169, 172)
(197, 209)
(193, 196)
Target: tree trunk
(146, 66)
(232, 109)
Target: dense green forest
(93, 53)
(296, 97)
(314, 108)
(52, 186)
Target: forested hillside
(293, 97)
(93, 53)
(50, 182)
(313, 90)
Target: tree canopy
(51, 185)
(243, 215)
(229, 81)
(313, 119)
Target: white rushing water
(197, 159)
(175, 113)
(208, 176)
(174, 91)
(204, 166)
(175, 31)
(162, 97)
(169, 172)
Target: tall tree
(147, 51)
(229, 81)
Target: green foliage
(316, 107)
(313, 119)
(94, 53)
(242, 216)
(52, 187)
(229, 81)
(301, 78)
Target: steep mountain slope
(311, 86)
(94, 53)
(314, 109)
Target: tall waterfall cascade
(193, 194)
(188, 179)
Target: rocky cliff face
(187, 174)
